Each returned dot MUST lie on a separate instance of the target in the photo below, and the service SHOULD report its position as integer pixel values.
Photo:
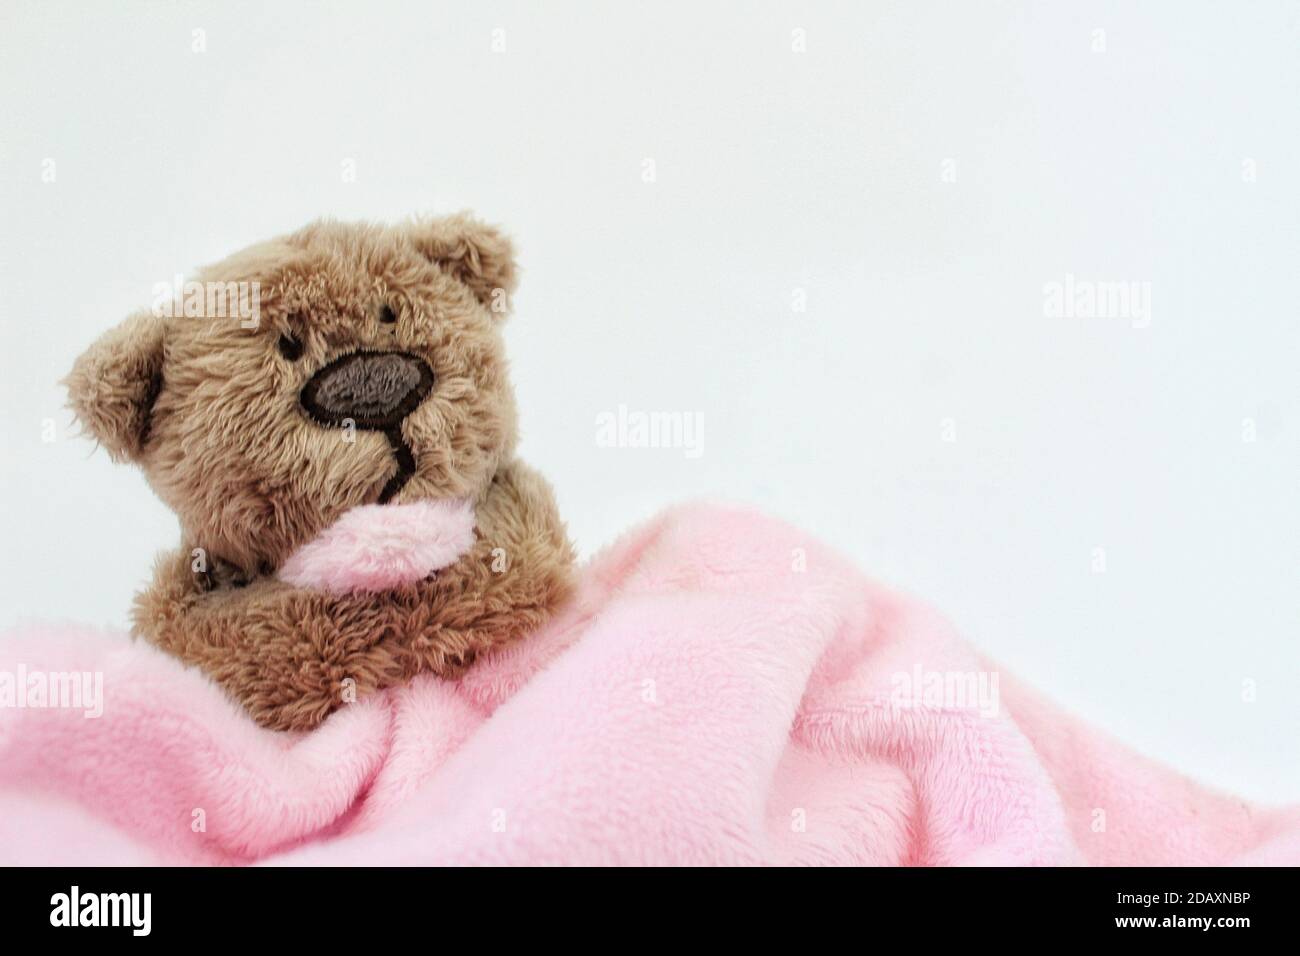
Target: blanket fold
(722, 690)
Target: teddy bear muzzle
(374, 391)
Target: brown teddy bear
(367, 382)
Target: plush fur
(217, 415)
(380, 547)
(696, 702)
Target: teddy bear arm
(292, 655)
(288, 655)
(517, 575)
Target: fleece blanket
(722, 690)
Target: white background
(775, 171)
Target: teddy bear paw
(381, 547)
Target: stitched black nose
(375, 390)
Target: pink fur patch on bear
(378, 547)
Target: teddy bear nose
(373, 390)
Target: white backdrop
(824, 229)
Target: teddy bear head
(341, 365)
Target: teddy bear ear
(479, 255)
(113, 385)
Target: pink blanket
(723, 690)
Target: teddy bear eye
(290, 347)
(387, 315)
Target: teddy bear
(341, 458)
